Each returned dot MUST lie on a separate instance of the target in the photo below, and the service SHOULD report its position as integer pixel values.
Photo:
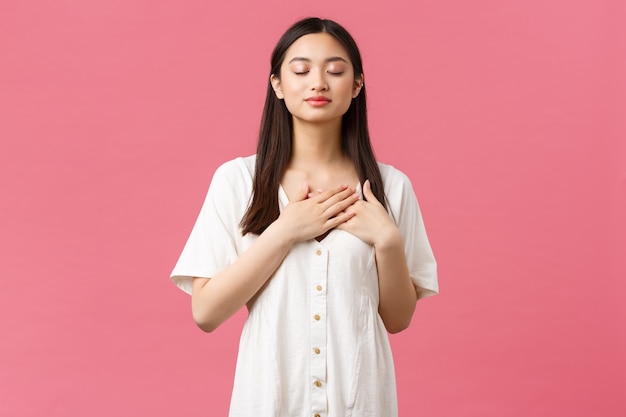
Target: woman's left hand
(371, 223)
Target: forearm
(397, 292)
(215, 300)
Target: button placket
(317, 284)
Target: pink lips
(318, 100)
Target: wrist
(277, 232)
(389, 239)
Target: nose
(319, 82)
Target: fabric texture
(313, 342)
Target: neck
(315, 143)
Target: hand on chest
(317, 180)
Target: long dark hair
(275, 135)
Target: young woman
(325, 246)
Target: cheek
(290, 104)
(346, 105)
(292, 89)
(346, 88)
(346, 91)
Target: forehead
(316, 47)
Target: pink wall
(508, 116)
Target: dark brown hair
(275, 135)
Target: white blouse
(313, 344)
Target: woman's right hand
(215, 300)
(306, 217)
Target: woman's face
(316, 79)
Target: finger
(326, 194)
(303, 192)
(331, 198)
(313, 194)
(367, 192)
(343, 205)
(339, 220)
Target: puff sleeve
(215, 241)
(404, 209)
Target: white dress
(313, 343)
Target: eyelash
(306, 72)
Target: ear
(275, 81)
(358, 86)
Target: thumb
(367, 192)
(303, 192)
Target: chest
(317, 180)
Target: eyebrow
(331, 59)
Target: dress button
(317, 317)
(317, 351)
(318, 383)
(318, 252)
(316, 415)
(319, 288)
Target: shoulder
(238, 167)
(236, 172)
(394, 180)
(399, 194)
(233, 178)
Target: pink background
(508, 116)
